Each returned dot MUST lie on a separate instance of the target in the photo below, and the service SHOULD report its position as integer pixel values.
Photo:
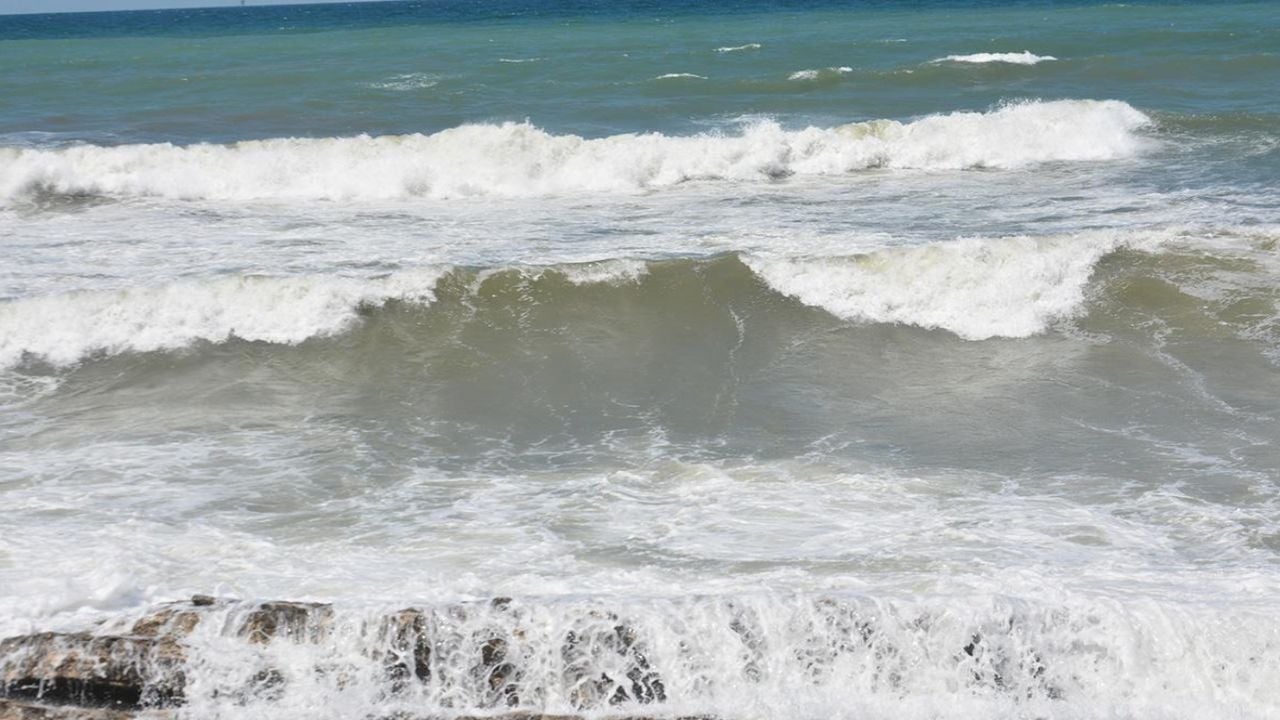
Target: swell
(520, 160)
(972, 289)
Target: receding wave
(520, 160)
(971, 288)
(1011, 58)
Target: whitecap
(1022, 58)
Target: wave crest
(62, 329)
(976, 288)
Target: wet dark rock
(639, 683)
(407, 653)
(140, 675)
(21, 710)
(498, 674)
(93, 671)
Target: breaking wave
(520, 160)
(62, 329)
(977, 289)
(973, 288)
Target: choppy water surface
(863, 360)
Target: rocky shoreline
(138, 671)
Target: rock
(295, 621)
(408, 648)
(94, 671)
(582, 651)
(170, 621)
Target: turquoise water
(393, 68)
(864, 359)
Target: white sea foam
(738, 48)
(830, 72)
(976, 288)
(1022, 58)
(680, 76)
(518, 61)
(1071, 638)
(61, 329)
(520, 160)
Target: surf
(521, 160)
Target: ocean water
(863, 359)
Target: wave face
(520, 160)
(1022, 58)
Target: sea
(748, 360)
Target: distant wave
(974, 288)
(1022, 58)
(408, 81)
(520, 160)
(738, 48)
(679, 76)
(518, 60)
(830, 72)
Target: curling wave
(520, 160)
